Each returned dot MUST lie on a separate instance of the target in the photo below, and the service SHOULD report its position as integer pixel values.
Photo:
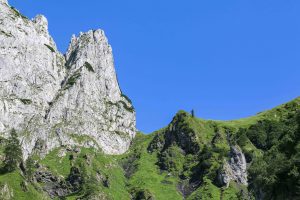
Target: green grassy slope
(147, 175)
(179, 161)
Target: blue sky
(224, 59)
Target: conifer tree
(13, 152)
(193, 113)
(30, 168)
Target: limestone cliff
(53, 99)
(235, 169)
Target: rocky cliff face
(5, 192)
(54, 99)
(235, 169)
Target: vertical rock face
(30, 75)
(235, 169)
(55, 100)
(90, 101)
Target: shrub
(172, 159)
(30, 168)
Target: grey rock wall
(53, 99)
(235, 169)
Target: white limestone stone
(37, 100)
(235, 169)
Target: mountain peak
(54, 100)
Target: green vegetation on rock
(72, 79)
(181, 161)
(12, 153)
(17, 13)
(89, 67)
(6, 34)
(50, 48)
(26, 101)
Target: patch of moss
(127, 98)
(5, 33)
(130, 109)
(17, 13)
(71, 59)
(50, 48)
(89, 67)
(122, 134)
(72, 80)
(81, 139)
(26, 101)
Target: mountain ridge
(68, 132)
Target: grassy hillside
(182, 160)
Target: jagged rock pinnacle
(55, 100)
(41, 23)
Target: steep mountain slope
(253, 158)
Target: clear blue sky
(225, 59)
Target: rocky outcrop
(5, 192)
(54, 186)
(235, 169)
(55, 100)
(180, 133)
(58, 187)
(98, 196)
(90, 101)
(138, 193)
